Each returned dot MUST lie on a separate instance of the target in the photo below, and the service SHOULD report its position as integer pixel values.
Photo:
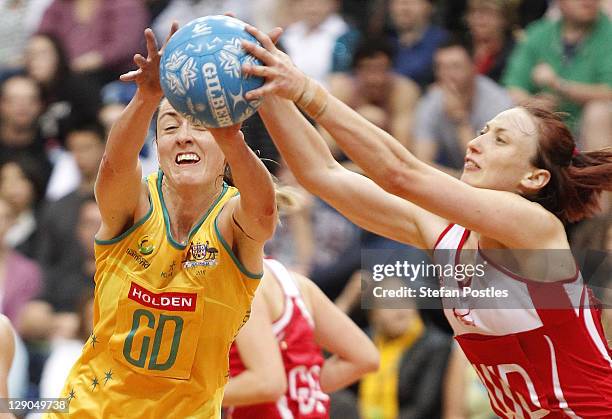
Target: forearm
(247, 388)
(128, 134)
(582, 93)
(250, 176)
(299, 143)
(371, 148)
(338, 373)
(401, 127)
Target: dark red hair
(577, 177)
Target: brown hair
(577, 178)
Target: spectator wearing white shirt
(310, 41)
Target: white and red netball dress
(302, 359)
(534, 362)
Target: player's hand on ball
(283, 78)
(147, 74)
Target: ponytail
(589, 173)
(577, 178)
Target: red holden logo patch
(172, 301)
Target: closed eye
(500, 140)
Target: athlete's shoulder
(309, 291)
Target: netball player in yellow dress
(178, 259)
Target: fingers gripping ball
(201, 72)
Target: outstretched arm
(120, 172)
(394, 168)
(354, 195)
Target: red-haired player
(523, 179)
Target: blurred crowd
(430, 72)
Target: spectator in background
(18, 20)
(69, 174)
(310, 41)
(63, 265)
(413, 359)
(567, 66)
(416, 39)
(13, 34)
(20, 277)
(184, 11)
(593, 239)
(315, 239)
(20, 283)
(100, 36)
(374, 84)
(22, 185)
(490, 28)
(464, 395)
(115, 97)
(68, 98)
(65, 352)
(20, 108)
(68, 306)
(456, 108)
(67, 296)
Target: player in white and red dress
(293, 313)
(523, 180)
(534, 361)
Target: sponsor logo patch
(172, 301)
(200, 254)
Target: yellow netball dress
(165, 317)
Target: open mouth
(470, 164)
(186, 158)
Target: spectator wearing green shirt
(567, 66)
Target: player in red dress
(523, 180)
(276, 364)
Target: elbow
(371, 360)
(267, 221)
(311, 181)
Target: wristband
(313, 100)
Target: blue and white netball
(201, 72)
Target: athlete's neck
(187, 205)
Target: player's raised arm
(355, 196)
(492, 192)
(251, 219)
(119, 189)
